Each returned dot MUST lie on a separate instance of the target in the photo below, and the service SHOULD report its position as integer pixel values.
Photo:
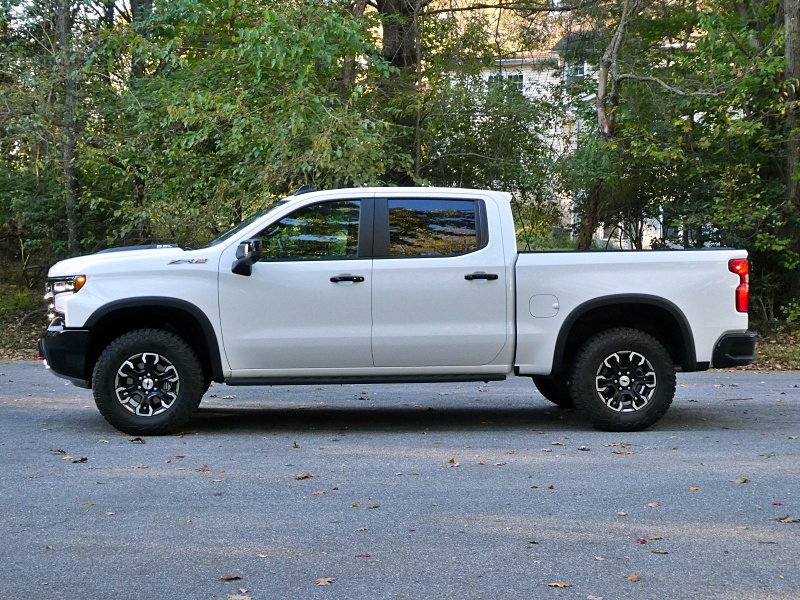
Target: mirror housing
(248, 253)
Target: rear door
(439, 287)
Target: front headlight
(60, 285)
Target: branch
(520, 6)
(665, 85)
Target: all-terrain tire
(148, 382)
(623, 380)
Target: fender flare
(688, 353)
(209, 335)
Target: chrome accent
(147, 384)
(626, 381)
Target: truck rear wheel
(623, 380)
(556, 390)
(148, 382)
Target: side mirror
(248, 253)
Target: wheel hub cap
(626, 381)
(147, 384)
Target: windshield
(243, 225)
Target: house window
(512, 81)
(575, 73)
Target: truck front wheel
(148, 382)
(623, 380)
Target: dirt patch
(19, 331)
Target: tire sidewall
(176, 351)
(592, 355)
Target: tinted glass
(321, 231)
(432, 227)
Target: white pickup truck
(391, 285)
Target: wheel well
(668, 326)
(179, 321)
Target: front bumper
(735, 350)
(64, 351)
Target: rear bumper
(64, 351)
(734, 350)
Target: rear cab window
(428, 227)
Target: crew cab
(389, 285)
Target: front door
(307, 304)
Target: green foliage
(15, 299)
(791, 312)
(241, 107)
(187, 119)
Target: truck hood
(131, 258)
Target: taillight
(741, 267)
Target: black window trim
(380, 241)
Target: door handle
(487, 276)
(352, 278)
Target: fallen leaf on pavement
(659, 551)
(58, 451)
(82, 459)
(203, 469)
(787, 519)
(231, 577)
(623, 452)
(137, 440)
(695, 489)
(641, 541)
(303, 476)
(239, 597)
(632, 577)
(324, 581)
(740, 480)
(654, 505)
(559, 584)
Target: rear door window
(432, 227)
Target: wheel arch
(170, 314)
(656, 316)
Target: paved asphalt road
(423, 491)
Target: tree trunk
(400, 22)
(69, 134)
(140, 12)
(791, 16)
(399, 32)
(608, 94)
